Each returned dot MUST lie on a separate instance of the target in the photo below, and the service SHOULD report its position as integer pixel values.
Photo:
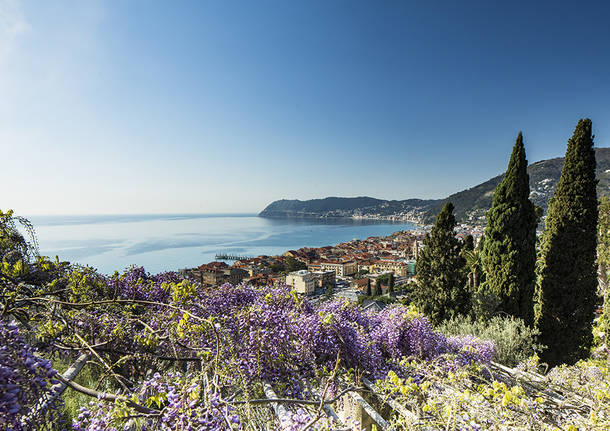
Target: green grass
(73, 400)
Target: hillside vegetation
(163, 352)
(470, 203)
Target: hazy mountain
(469, 204)
(346, 207)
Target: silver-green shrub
(515, 342)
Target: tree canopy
(509, 251)
(441, 279)
(567, 272)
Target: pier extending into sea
(225, 256)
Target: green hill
(470, 204)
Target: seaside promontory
(470, 204)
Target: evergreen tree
(369, 292)
(292, 264)
(391, 284)
(378, 291)
(509, 252)
(441, 292)
(567, 273)
(480, 244)
(468, 243)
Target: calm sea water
(170, 242)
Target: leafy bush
(485, 303)
(514, 341)
(568, 398)
(601, 331)
(384, 299)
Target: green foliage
(441, 291)
(473, 201)
(293, 264)
(377, 291)
(384, 299)
(567, 272)
(509, 252)
(601, 331)
(474, 270)
(601, 336)
(73, 401)
(468, 243)
(387, 279)
(278, 267)
(85, 284)
(14, 247)
(182, 291)
(463, 401)
(603, 245)
(368, 288)
(22, 270)
(485, 303)
(514, 340)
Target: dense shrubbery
(170, 354)
(568, 398)
(515, 342)
(601, 332)
(219, 346)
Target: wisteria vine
(236, 337)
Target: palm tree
(474, 268)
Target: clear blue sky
(225, 106)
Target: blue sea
(171, 242)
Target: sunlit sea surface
(171, 242)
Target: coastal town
(350, 269)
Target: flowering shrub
(25, 381)
(177, 356)
(514, 341)
(136, 283)
(214, 349)
(266, 334)
(184, 406)
(570, 398)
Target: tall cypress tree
(509, 252)
(468, 243)
(378, 291)
(567, 274)
(441, 283)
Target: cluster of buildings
(353, 266)
(321, 268)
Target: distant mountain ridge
(470, 204)
(333, 207)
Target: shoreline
(392, 218)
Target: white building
(302, 281)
